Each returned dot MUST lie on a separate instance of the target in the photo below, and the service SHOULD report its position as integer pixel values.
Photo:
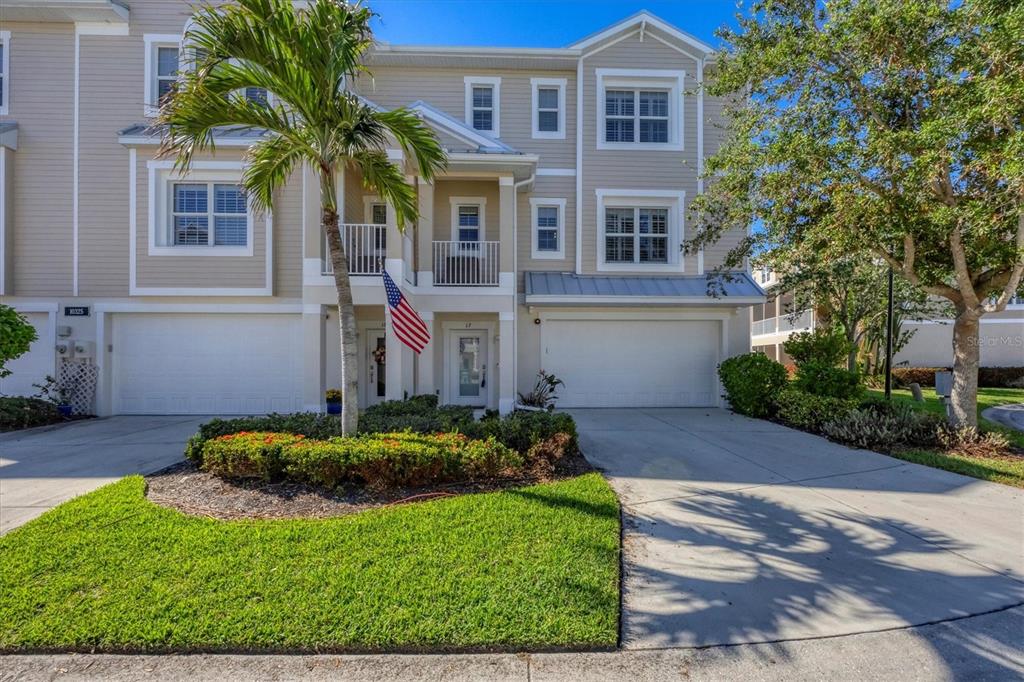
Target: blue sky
(533, 23)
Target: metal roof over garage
(733, 288)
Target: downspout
(515, 285)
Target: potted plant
(333, 396)
(542, 397)
(57, 393)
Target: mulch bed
(191, 491)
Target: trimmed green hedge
(988, 377)
(751, 382)
(309, 424)
(377, 460)
(810, 412)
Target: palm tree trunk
(966, 357)
(346, 322)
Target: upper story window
(209, 214)
(640, 229)
(640, 109)
(379, 214)
(548, 103)
(163, 60)
(5, 72)
(204, 212)
(548, 222)
(483, 103)
(468, 218)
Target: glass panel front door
(469, 368)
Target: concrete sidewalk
(980, 648)
(40, 468)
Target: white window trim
(640, 79)
(495, 83)
(154, 40)
(480, 202)
(535, 85)
(535, 252)
(161, 176)
(5, 68)
(673, 200)
(368, 201)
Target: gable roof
(641, 20)
(458, 129)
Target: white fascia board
(646, 19)
(496, 159)
(154, 141)
(213, 308)
(428, 50)
(465, 134)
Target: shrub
(821, 346)
(827, 380)
(23, 413)
(810, 412)
(883, 425)
(377, 460)
(406, 415)
(309, 424)
(968, 441)
(988, 377)
(543, 393)
(751, 382)
(521, 430)
(16, 337)
(249, 454)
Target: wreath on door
(380, 355)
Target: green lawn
(1006, 471)
(526, 568)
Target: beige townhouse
(552, 241)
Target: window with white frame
(5, 71)
(548, 101)
(483, 98)
(163, 61)
(548, 227)
(640, 229)
(640, 109)
(208, 214)
(468, 220)
(378, 213)
(469, 223)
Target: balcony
(771, 325)
(466, 264)
(366, 247)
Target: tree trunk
(851, 356)
(346, 322)
(966, 355)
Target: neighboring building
(1001, 338)
(552, 240)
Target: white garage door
(633, 363)
(32, 367)
(206, 364)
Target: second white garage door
(206, 364)
(632, 363)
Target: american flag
(406, 322)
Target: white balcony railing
(804, 320)
(365, 245)
(466, 264)
(768, 326)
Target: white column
(425, 362)
(395, 356)
(506, 230)
(314, 340)
(425, 234)
(506, 363)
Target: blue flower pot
(333, 408)
(64, 410)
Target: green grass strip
(534, 567)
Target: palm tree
(303, 59)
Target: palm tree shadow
(741, 567)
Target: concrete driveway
(40, 468)
(743, 531)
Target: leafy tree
(850, 293)
(888, 128)
(303, 56)
(16, 336)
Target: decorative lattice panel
(78, 378)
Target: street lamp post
(888, 342)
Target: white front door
(376, 366)
(467, 367)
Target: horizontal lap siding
(287, 231)
(549, 188)
(42, 101)
(444, 89)
(445, 189)
(714, 135)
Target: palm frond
(270, 164)
(387, 179)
